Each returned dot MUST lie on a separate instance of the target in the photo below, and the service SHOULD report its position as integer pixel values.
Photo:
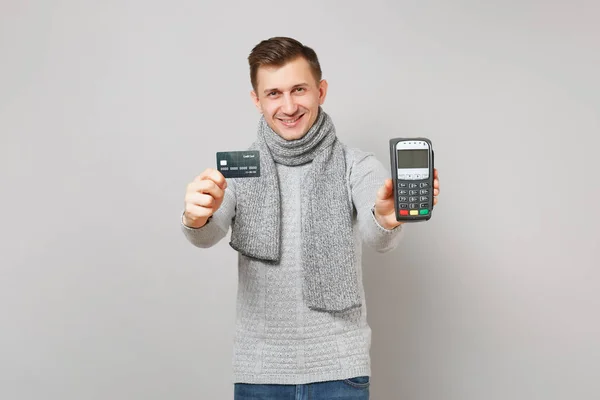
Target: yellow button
(414, 212)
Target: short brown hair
(276, 52)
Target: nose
(289, 106)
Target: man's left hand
(384, 205)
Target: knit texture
(278, 338)
(326, 236)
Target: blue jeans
(347, 389)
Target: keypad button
(413, 192)
(403, 212)
(403, 205)
(424, 191)
(401, 185)
(414, 212)
(424, 184)
(403, 192)
(413, 185)
(413, 206)
(404, 199)
(413, 199)
(423, 212)
(424, 205)
(424, 198)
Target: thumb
(386, 190)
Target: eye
(300, 89)
(273, 93)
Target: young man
(301, 318)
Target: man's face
(289, 97)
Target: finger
(389, 185)
(215, 176)
(386, 190)
(207, 186)
(201, 199)
(436, 192)
(435, 173)
(435, 200)
(436, 183)
(194, 211)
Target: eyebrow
(293, 87)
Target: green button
(424, 212)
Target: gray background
(108, 109)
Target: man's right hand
(203, 197)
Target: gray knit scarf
(330, 279)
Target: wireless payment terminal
(412, 178)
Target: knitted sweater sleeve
(218, 225)
(367, 175)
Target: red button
(403, 212)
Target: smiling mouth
(290, 121)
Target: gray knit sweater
(278, 339)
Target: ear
(322, 91)
(256, 101)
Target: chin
(295, 133)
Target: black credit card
(239, 164)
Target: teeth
(290, 121)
